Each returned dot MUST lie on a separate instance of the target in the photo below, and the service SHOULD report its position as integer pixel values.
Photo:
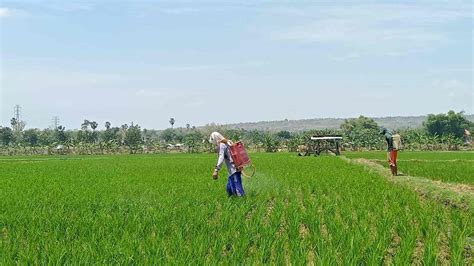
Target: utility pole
(55, 122)
(17, 124)
(17, 112)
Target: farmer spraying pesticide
(223, 148)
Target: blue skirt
(234, 185)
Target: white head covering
(216, 138)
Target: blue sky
(232, 61)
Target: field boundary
(453, 195)
(424, 160)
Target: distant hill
(396, 122)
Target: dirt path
(454, 195)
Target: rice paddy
(167, 209)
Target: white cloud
(206, 67)
(452, 87)
(151, 92)
(459, 69)
(455, 91)
(348, 57)
(5, 12)
(392, 30)
(64, 6)
(360, 33)
(181, 10)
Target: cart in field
(324, 143)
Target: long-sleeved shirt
(224, 156)
(388, 138)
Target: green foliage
(255, 137)
(445, 124)
(420, 139)
(270, 143)
(87, 136)
(6, 135)
(193, 141)
(61, 135)
(17, 126)
(110, 134)
(362, 132)
(172, 122)
(358, 134)
(168, 135)
(293, 143)
(133, 138)
(31, 137)
(283, 135)
(46, 137)
(359, 123)
(233, 134)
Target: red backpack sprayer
(241, 159)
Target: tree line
(439, 132)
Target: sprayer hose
(254, 169)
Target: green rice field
(452, 167)
(162, 209)
(415, 155)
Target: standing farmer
(391, 150)
(234, 181)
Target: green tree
(359, 123)
(193, 141)
(172, 121)
(293, 143)
(233, 134)
(94, 125)
(110, 134)
(87, 136)
(17, 126)
(31, 137)
(133, 138)
(94, 136)
(46, 137)
(61, 136)
(445, 124)
(168, 135)
(85, 124)
(362, 132)
(284, 135)
(256, 137)
(270, 143)
(6, 135)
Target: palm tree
(85, 125)
(107, 125)
(188, 126)
(172, 121)
(13, 122)
(94, 125)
